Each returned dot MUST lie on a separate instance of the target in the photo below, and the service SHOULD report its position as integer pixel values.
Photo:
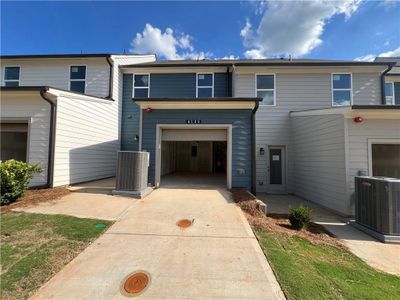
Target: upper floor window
(11, 76)
(389, 93)
(77, 77)
(265, 88)
(341, 89)
(141, 86)
(205, 85)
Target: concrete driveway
(218, 257)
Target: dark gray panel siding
(397, 92)
(130, 116)
(241, 136)
(173, 85)
(183, 85)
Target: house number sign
(193, 121)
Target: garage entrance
(191, 156)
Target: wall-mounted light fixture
(136, 138)
(262, 151)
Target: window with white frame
(11, 76)
(341, 89)
(141, 85)
(265, 88)
(205, 85)
(77, 79)
(389, 93)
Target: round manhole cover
(135, 283)
(185, 223)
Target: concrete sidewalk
(218, 257)
(384, 257)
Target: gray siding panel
(130, 122)
(319, 166)
(222, 85)
(173, 85)
(366, 89)
(241, 136)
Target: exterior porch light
(262, 151)
(358, 119)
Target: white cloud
(230, 57)
(254, 54)
(371, 57)
(167, 44)
(293, 27)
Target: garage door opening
(14, 141)
(193, 162)
(198, 156)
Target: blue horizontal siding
(130, 116)
(241, 136)
(183, 85)
(397, 92)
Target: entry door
(276, 170)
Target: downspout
(253, 147)
(383, 94)
(50, 163)
(111, 78)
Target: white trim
(69, 76)
(205, 86)
(348, 112)
(196, 104)
(140, 128)
(228, 127)
(11, 80)
(393, 94)
(348, 190)
(377, 141)
(265, 90)
(140, 87)
(351, 89)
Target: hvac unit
(132, 173)
(377, 206)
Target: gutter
(110, 77)
(50, 163)
(383, 94)
(253, 147)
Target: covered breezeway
(199, 155)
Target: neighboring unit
(62, 111)
(392, 80)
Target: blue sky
(346, 29)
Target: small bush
(15, 176)
(299, 217)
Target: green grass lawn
(34, 247)
(307, 271)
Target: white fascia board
(195, 105)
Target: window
(141, 86)
(389, 92)
(11, 76)
(14, 137)
(386, 160)
(265, 88)
(205, 85)
(341, 89)
(77, 78)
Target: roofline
(256, 64)
(45, 88)
(209, 99)
(54, 55)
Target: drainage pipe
(111, 77)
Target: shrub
(15, 176)
(299, 217)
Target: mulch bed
(279, 223)
(33, 197)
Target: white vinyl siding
(56, 73)
(34, 109)
(319, 161)
(86, 140)
(359, 136)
